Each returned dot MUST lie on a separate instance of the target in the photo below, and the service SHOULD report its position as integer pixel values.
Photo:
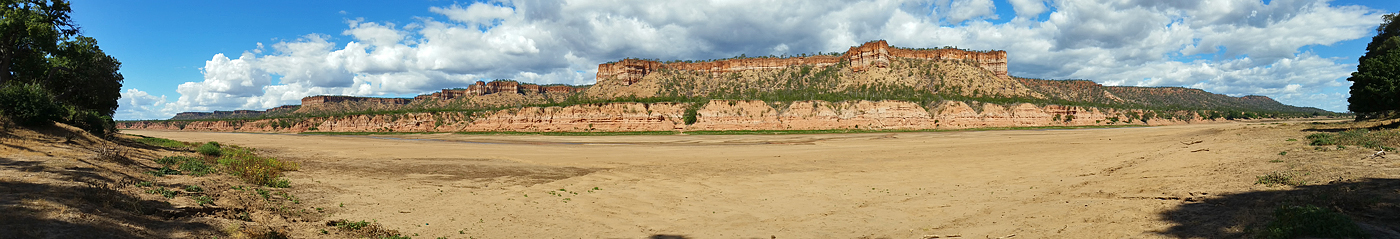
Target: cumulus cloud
(1233, 47)
(1028, 8)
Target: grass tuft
(1278, 178)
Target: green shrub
(1313, 221)
(211, 149)
(90, 121)
(1319, 139)
(28, 104)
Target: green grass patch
(231, 159)
(1379, 139)
(191, 165)
(163, 171)
(167, 193)
(1311, 221)
(160, 142)
(266, 171)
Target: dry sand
(1086, 183)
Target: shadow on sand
(1374, 204)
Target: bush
(264, 171)
(1309, 220)
(1320, 139)
(28, 104)
(211, 149)
(90, 121)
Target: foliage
(41, 50)
(89, 120)
(196, 167)
(210, 149)
(266, 171)
(28, 104)
(166, 170)
(1312, 221)
(1375, 89)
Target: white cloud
(962, 10)
(1028, 8)
(1234, 47)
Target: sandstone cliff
(713, 115)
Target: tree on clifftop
(1375, 89)
(41, 49)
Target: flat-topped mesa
(871, 54)
(878, 54)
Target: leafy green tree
(29, 31)
(42, 49)
(1375, 89)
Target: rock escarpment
(872, 86)
(713, 115)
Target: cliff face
(715, 115)
(876, 54)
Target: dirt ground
(1173, 181)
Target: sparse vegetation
(1311, 221)
(1379, 139)
(1279, 178)
(160, 142)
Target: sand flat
(1097, 183)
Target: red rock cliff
(871, 54)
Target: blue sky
(208, 55)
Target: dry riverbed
(1174, 181)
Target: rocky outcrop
(714, 115)
(875, 54)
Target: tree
(1375, 89)
(50, 72)
(29, 30)
(81, 75)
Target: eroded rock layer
(714, 115)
